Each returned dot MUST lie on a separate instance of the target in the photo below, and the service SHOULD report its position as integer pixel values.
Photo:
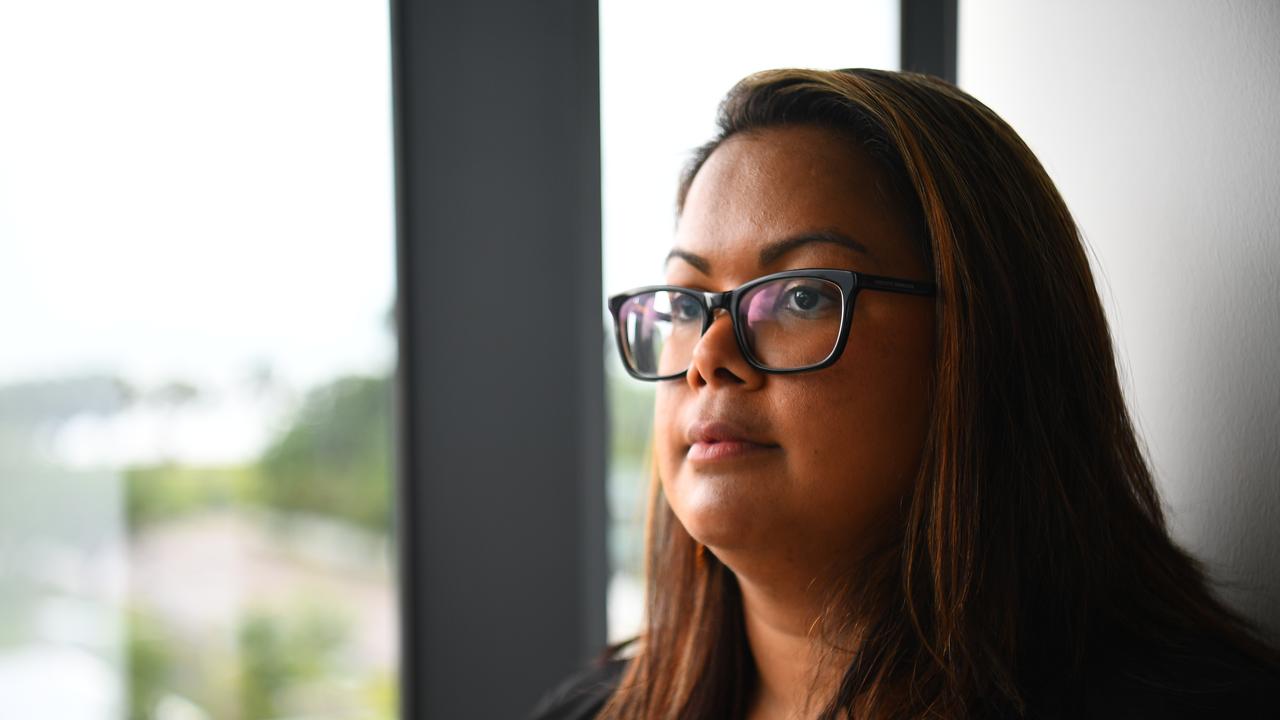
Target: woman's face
(831, 451)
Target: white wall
(1159, 121)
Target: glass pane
(660, 330)
(196, 281)
(792, 322)
(655, 108)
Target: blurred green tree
(150, 662)
(335, 457)
(283, 649)
(154, 493)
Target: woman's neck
(782, 632)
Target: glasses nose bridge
(721, 301)
(717, 301)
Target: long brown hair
(1033, 566)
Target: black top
(1207, 679)
(1249, 695)
(583, 694)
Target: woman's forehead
(760, 191)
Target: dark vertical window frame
(501, 478)
(928, 39)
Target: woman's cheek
(661, 410)
(665, 411)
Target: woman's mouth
(719, 441)
(723, 450)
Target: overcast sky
(195, 190)
(189, 189)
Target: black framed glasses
(786, 322)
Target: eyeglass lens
(788, 323)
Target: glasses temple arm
(879, 282)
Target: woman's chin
(719, 517)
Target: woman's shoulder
(582, 695)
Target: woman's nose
(717, 359)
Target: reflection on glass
(195, 359)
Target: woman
(904, 484)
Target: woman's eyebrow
(775, 250)
(697, 261)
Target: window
(196, 281)
(704, 48)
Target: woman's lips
(721, 440)
(724, 450)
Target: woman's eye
(807, 299)
(685, 309)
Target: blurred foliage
(631, 418)
(161, 492)
(288, 662)
(280, 651)
(335, 458)
(631, 429)
(332, 458)
(150, 661)
(382, 696)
